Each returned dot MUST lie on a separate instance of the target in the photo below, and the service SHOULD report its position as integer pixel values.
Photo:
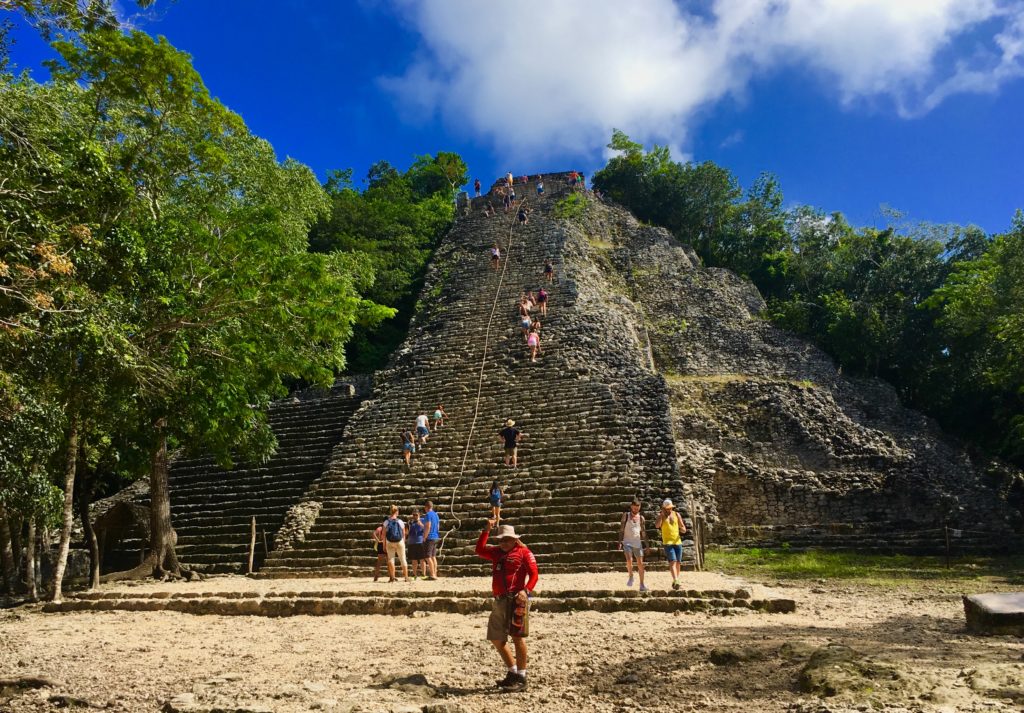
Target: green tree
(186, 295)
(392, 227)
(982, 307)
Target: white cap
(666, 503)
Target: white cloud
(540, 78)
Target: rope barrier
(480, 379)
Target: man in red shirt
(513, 578)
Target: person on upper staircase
(422, 429)
(672, 530)
(439, 416)
(549, 271)
(523, 216)
(511, 436)
(525, 323)
(495, 256)
(408, 447)
(476, 187)
(495, 497)
(542, 302)
(509, 180)
(540, 186)
(533, 341)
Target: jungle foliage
(157, 286)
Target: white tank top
(634, 532)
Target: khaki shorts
(501, 617)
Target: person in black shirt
(511, 436)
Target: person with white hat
(672, 528)
(513, 579)
(511, 436)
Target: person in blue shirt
(431, 535)
(496, 498)
(416, 547)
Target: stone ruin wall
(768, 432)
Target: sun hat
(506, 532)
(666, 503)
(510, 422)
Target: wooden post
(947, 546)
(252, 543)
(266, 550)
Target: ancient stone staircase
(212, 508)
(594, 415)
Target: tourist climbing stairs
(594, 417)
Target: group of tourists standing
(416, 540)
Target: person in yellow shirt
(672, 528)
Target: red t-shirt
(512, 571)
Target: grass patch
(571, 207)
(875, 570)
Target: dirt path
(918, 658)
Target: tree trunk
(70, 463)
(16, 524)
(162, 535)
(7, 565)
(84, 495)
(30, 561)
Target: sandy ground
(920, 656)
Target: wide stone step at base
(563, 593)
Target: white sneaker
(629, 582)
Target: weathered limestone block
(1001, 614)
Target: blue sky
(851, 103)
